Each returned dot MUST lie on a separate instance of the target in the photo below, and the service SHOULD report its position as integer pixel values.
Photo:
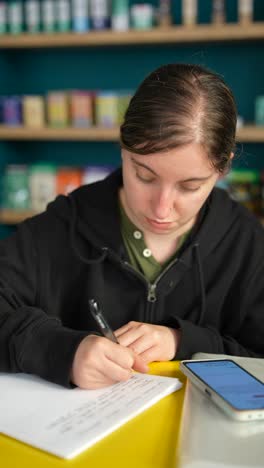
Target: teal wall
(36, 71)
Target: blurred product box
(259, 110)
(57, 109)
(81, 108)
(16, 194)
(33, 111)
(106, 109)
(12, 110)
(68, 179)
(244, 186)
(43, 185)
(95, 173)
(33, 187)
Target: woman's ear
(223, 174)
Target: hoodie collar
(98, 217)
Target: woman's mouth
(161, 225)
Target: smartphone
(232, 388)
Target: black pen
(100, 320)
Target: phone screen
(233, 383)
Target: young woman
(176, 266)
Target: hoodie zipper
(151, 287)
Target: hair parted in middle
(178, 104)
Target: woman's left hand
(150, 342)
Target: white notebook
(65, 422)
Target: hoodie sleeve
(243, 336)
(30, 340)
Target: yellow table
(147, 441)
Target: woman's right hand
(99, 362)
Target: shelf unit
(175, 34)
(248, 133)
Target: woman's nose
(162, 206)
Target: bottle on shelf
(100, 14)
(142, 16)
(63, 15)
(3, 18)
(48, 16)
(32, 16)
(189, 12)
(164, 15)
(218, 12)
(15, 17)
(80, 16)
(245, 11)
(120, 15)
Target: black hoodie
(213, 291)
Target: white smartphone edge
(231, 411)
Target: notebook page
(65, 422)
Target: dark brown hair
(178, 104)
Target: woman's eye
(147, 180)
(190, 189)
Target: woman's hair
(178, 104)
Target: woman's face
(163, 192)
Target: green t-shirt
(140, 255)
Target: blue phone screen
(234, 384)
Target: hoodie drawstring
(201, 279)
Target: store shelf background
(29, 71)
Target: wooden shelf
(174, 34)
(248, 133)
(251, 134)
(14, 217)
(69, 133)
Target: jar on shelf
(16, 187)
(42, 183)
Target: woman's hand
(98, 362)
(149, 342)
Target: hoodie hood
(92, 213)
